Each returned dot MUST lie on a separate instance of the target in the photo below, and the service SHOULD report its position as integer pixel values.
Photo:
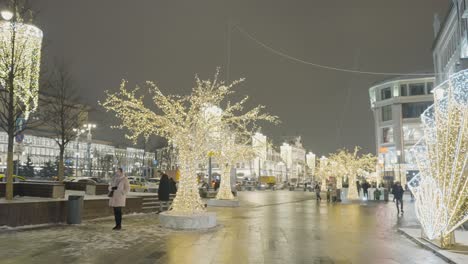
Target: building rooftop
(417, 75)
(442, 25)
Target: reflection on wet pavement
(270, 227)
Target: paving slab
(458, 254)
(268, 227)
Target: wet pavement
(269, 227)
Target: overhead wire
(287, 56)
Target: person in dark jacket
(358, 185)
(365, 189)
(317, 192)
(398, 195)
(164, 191)
(173, 189)
(216, 185)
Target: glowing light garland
(352, 165)
(441, 187)
(231, 151)
(186, 123)
(27, 41)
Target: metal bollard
(385, 195)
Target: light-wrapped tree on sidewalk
(352, 164)
(20, 60)
(184, 122)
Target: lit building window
(387, 135)
(412, 132)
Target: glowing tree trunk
(225, 192)
(339, 183)
(323, 186)
(188, 198)
(352, 188)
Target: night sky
(103, 41)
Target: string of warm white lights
(232, 150)
(188, 122)
(26, 40)
(441, 187)
(351, 164)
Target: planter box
(20, 213)
(36, 189)
(97, 189)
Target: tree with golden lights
(232, 149)
(187, 123)
(351, 164)
(20, 59)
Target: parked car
(87, 181)
(262, 186)
(15, 178)
(248, 185)
(281, 186)
(136, 186)
(153, 185)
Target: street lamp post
(89, 138)
(398, 152)
(77, 155)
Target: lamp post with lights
(89, 137)
(77, 154)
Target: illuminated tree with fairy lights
(186, 123)
(20, 59)
(351, 164)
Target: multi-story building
(294, 156)
(288, 164)
(450, 47)
(100, 161)
(311, 163)
(268, 161)
(397, 105)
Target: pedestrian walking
(173, 185)
(216, 185)
(398, 195)
(118, 190)
(365, 189)
(393, 187)
(164, 191)
(358, 185)
(317, 192)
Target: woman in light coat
(120, 187)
